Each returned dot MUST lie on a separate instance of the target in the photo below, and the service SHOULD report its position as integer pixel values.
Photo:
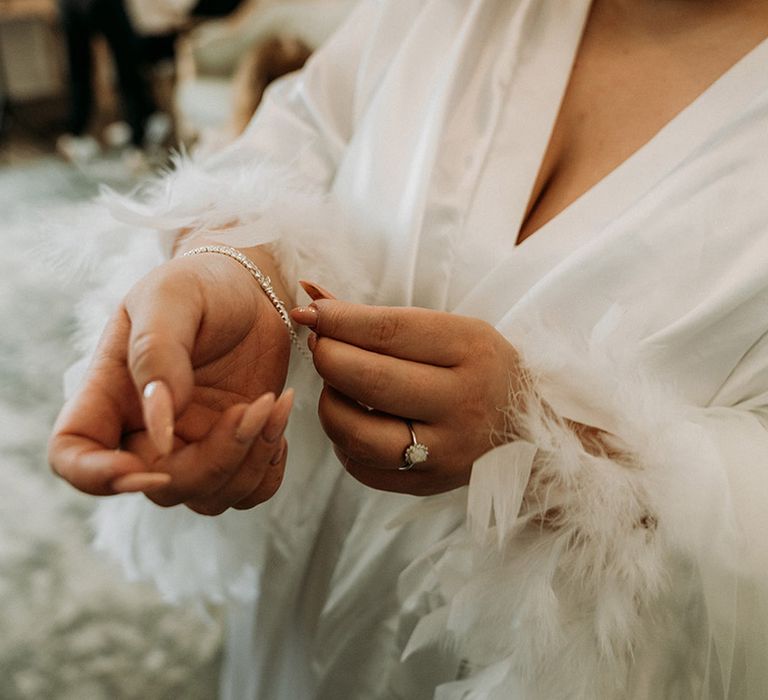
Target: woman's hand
(179, 400)
(452, 376)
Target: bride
(528, 456)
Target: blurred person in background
(166, 16)
(81, 21)
(137, 32)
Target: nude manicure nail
(158, 415)
(254, 418)
(315, 291)
(272, 433)
(142, 481)
(305, 315)
(312, 341)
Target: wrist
(262, 257)
(259, 277)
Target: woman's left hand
(452, 376)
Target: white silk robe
(396, 169)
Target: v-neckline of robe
(669, 136)
(590, 214)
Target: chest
(621, 92)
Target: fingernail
(254, 418)
(315, 291)
(131, 483)
(272, 433)
(305, 315)
(312, 341)
(158, 415)
(278, 455)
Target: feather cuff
(582, 556)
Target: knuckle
(206, 508)
(483, 347)
(386, 329)
(330, 318)
(355, 445)
(165, 500)
(219, 471)
(143, 349)
(375, 379)
(269, 485)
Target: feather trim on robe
(122, 239)
(565, 569)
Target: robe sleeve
(272, 186)
(652, 537)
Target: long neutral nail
(141, 481)
(158, 415)
(254, 418)
(315, 291)
(305, 315)
(312, 341)
(278, 455)
(273, 432)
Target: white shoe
(78, 149)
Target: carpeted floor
(70, 627)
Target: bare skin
(203, 328)
(640, 63)
(211, 435)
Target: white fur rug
(70, 627)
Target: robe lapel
(434, 117)
(591, 217)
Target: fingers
(414, 482)
(449, 373)
(229, 463)
(413, 334)
(388, 384)
(259, 473)
(133, 483)
(315, 291)
(86, 452)
(98, 471)
(165, 314)
(372, 439)
(200, 468)
(270, 481)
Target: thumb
(165, 316)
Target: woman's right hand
(179, 399)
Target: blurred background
(92, 92)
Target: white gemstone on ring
(416, 453)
